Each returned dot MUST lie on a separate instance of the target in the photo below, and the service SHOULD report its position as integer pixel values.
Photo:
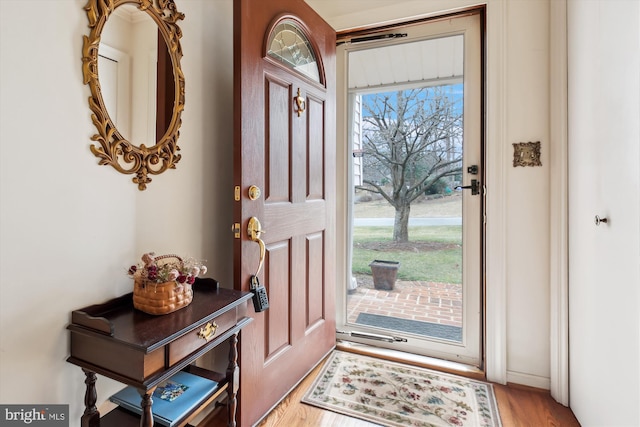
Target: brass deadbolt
(254, 192)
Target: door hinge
(236, 193)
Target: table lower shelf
(121, 417)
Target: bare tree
(412, 139)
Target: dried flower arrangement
(167, 268)
(162, 284)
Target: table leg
(91, 416)
(146, 403)
(233, 378)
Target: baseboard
(529, 380)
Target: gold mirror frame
(111, 148)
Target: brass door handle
(254, 229)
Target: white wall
(527, 193)
(69, 228)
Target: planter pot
(384, 273)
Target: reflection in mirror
(165, 88)
(131, 61)
(115, 81)
(148, 105)
(133, 33)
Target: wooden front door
(284, 144)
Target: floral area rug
(392, 394)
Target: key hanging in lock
(260, 300)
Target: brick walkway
(423, 301)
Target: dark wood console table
(117, 341)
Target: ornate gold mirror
(144, 94)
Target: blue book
(172, 399)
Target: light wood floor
(519, 407)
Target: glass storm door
(413, 189)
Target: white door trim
(495, 166)
(558, 207)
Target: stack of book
(173, 399)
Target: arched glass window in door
(290, 46)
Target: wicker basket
(161, 298)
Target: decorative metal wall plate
(526, 154)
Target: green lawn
(442, 265)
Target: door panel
(315, 110)
(284, 144)
(314, 295)
(277, 144)
(279, 316)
